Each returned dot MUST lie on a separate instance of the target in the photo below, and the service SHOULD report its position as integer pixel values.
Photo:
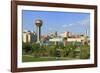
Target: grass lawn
(26, 58)
(36, 59)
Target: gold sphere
(38, 22)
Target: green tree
(51, 50)
(35, 49)
(26, 47)
(85, 52)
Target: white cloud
(50, 28)
(84, 22)
(66, 25)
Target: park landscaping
(34, 52)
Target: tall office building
(29, 37)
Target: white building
(29, 37)
(56, 40)
(66, 34)
(81, 39)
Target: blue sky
(56, 21)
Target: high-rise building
(29, 37)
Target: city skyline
(56, 21)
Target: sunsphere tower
(38, 24)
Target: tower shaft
(38, 34)
(38, 24)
